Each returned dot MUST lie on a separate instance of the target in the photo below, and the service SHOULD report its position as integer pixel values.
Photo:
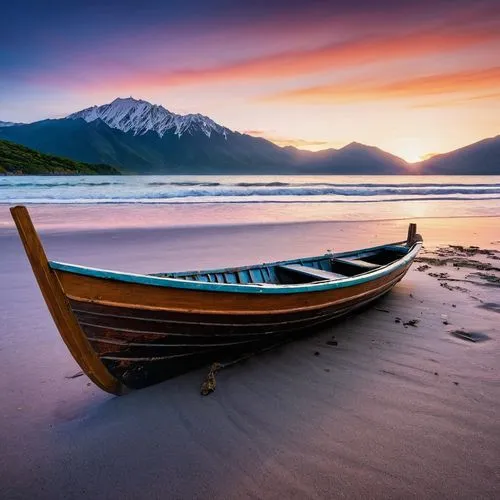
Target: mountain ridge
(140, 117)
(9, 124)
(139, 137)
(483, 156)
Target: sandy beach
(396, 409)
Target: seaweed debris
(423, 268)
(490, 278)
(210, 383)
(470, 336)
(412, 322)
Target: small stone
(456, 383)
(327, 369)
(332, 342)
(316, 353)
(436, 373)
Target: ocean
(202, 200)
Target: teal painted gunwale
(351, 253)
(144, 279)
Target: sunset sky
(411, 77)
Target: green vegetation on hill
(20, 160)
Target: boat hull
(174, 330)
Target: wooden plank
(245, 288)
(110, 292)
(166, 321)
(128, 330)
(256, 275)
(132, 361)
(312, 271)
(363, 264)
(59, 307)
(412, 232)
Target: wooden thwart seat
(359, 263)
(312, 271)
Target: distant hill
(20, 160)
(480, 158)
(356, 159)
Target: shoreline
(6, 222)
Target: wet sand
(389, 411)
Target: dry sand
(389, 412)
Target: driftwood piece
(210, 382)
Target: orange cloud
(458, 102)
(286, 141)
(427, 156)
(298, 143)
(258, 133)
(354, 91)
(332, 56)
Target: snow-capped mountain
(139, 117)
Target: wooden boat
(128, 331)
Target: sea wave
(187, 184)
(13, 182)
(165, 189)
(138, 192)
(41, 184)
(275, 184)
(325, 191)
(170, 201)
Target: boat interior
(328, 267)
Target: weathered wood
(133, 326)
(412, 232)
(113, 293)
(362, 264)
(312, 271)
(59, 307)
(134, 348)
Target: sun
(410, 149)
(413, 156)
